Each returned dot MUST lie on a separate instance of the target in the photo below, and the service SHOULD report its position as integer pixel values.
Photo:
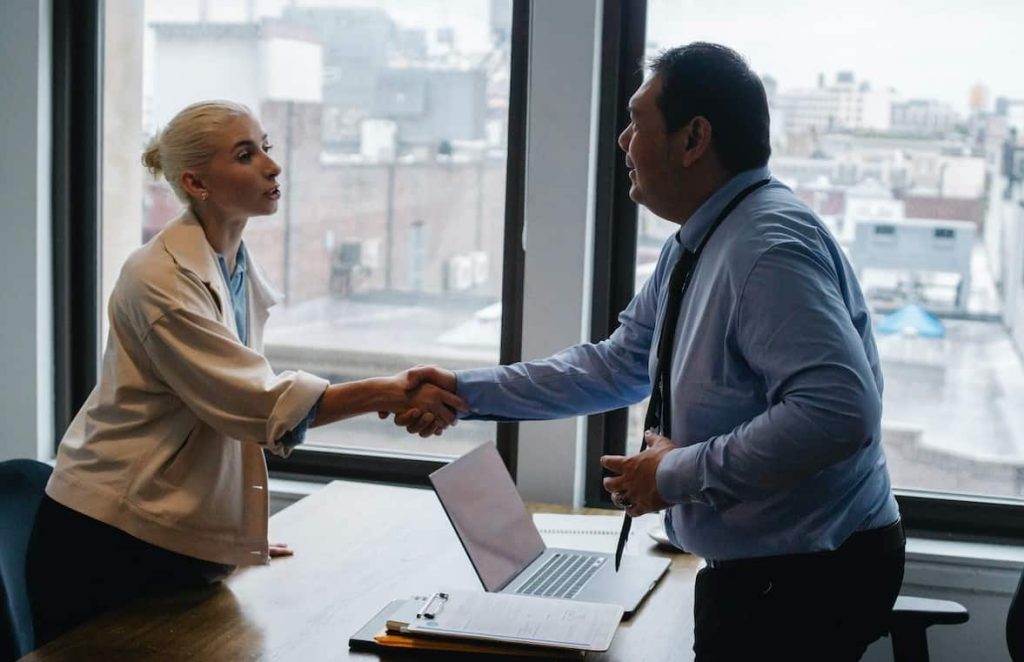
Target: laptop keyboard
(562, 575)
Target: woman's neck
(224, 235)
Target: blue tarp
(912, 320)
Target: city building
(843, 104)
(927, 116)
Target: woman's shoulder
(153, 283)
(148, 266)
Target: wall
(26, 337)
(562, 120)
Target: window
(390, 121)
(891, 123)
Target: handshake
(428, 404)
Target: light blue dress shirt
(237, 284)
(775, 377)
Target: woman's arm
(233, 388)
(391, 394)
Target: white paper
(525, 619)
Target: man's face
(654, 177)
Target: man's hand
(635, 489)
(420, 417)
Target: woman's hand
(279, 549)
(411, 389)
(431, 404)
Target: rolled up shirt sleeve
(297, 434)
(795, 331)
(230, 387)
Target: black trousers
(79, 567)
(824, 607)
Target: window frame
(925, 513)
(624, 27)
(77, 224)
(76, 186)
(408, 469)
(77, 148)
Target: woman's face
(241, 178)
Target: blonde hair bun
(151, 157)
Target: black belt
(861, 546)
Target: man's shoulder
(780, 218)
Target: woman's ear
(193, 185)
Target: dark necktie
(659, 407)
(659, 414)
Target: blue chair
(21, 490)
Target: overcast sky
(923, 48)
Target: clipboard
(374, 637)
(509, 620)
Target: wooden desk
(357, 546)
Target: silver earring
(205, 195)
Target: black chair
(21, 490)
(911, 617)
(1015, 624)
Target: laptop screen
(488, 515)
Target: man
(774, 470)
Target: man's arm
(580, 380)
(583, 379)
(795, 331)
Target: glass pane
(389, 121)
(895, 123)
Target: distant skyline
(930, 49)
(933, 49)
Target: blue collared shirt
(775, 378)
(237, 284)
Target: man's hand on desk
(419, 420)
(635, 489)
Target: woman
(160, 481)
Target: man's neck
(703, 186)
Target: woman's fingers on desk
(280, 549)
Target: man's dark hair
(715, 82)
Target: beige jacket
(169, 445)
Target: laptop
(506, 549)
